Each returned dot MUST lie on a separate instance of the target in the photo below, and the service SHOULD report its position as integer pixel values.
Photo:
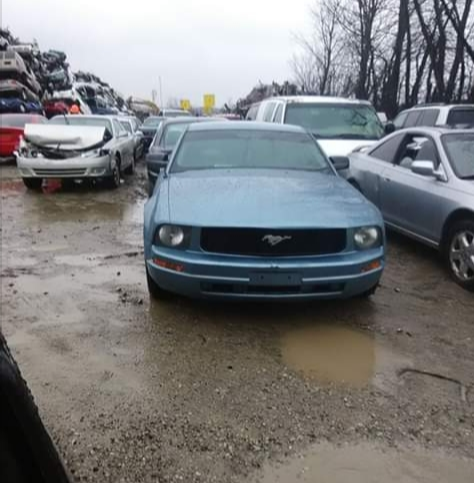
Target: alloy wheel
(461, 255)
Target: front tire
(459, 253)
(113, 182)
(34, 184)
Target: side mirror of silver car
(427, 168)
(340, 162)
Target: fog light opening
(176, 267)
(376, 264)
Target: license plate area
(275, 279)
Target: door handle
(388, 180)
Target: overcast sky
(196, 46)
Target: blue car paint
(256, 198)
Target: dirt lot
(133, 391)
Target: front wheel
(113, 181)
(459, 253)
(34, 184)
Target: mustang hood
(65, 138)
(268, 199)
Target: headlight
(96, 153)
(367, 237)
(171, 236)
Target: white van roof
(317, 99)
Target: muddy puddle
(331, 354)
(366, 463)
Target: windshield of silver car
(336, 121)
(459, 148)
(249, 149)
(82, 121)
(173, 133)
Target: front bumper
(95, 167)
(230, 277)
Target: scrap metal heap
(42, 82)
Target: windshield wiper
(471, 176)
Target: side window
(268, 114)
(399, 121)
(279, 114)
(418, 148)
(428, 117)
(387, 150)
(119, 130)
(252, 114)
(412, 118)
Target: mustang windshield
(249, 149)
(336, 121)
(460, 150)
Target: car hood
(64, 137)
(266, 198)
(343, 147)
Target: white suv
(339, 125)
(460, 115)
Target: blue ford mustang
(257, 211)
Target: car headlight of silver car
(367, 237)
(173, 236)
(96, 153)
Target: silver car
(76, 147)
(422, 179)
(132, 126)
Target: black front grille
(267, 242)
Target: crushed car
(75, 147)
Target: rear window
(152, 122)
(19, 120)
(461, 117)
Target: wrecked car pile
(32, 81)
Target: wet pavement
(133, 391)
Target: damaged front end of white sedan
(67, 152)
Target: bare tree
(392, 52)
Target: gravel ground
(134, 391)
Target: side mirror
(424, 168)
(389, 128)
(340, 162)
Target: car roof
(244, 126)
(173, 110)
(439, 106)
(433, 130)
(318, 99)
(184, 120)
